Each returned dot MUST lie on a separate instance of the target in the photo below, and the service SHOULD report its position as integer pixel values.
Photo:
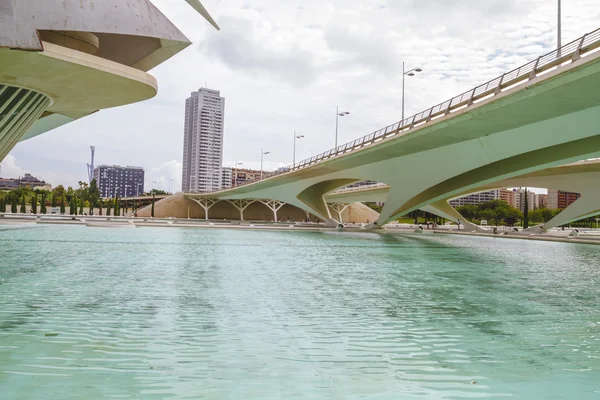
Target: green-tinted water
(156, 313)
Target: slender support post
(559, 27)
(294, 159)
(337, 118)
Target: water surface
(170, 313)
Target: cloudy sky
(284, 66)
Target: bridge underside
(580, 178)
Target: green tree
(152, 209)
(108, 207)
(526, 211)
(58, 194)
(3, 204)
(43, 204)
(93, 195)
(468, 211)
(116, 206)
(13, 206)
(62, 205)
(23, 209)
(72, 206)
(34, 204)
(157, 191)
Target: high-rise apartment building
(203, 141)
(533, 200)
(560, 199)
(113, 180)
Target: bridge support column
(206, 204)
(273, 205)
(585, 207)
(339, 208)
(445, 210)
(241, 205)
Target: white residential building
(475, 198)
(227, 177)
(203, 141)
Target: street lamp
(559, 27)
(338, 114)
(262, 153)
(409, 73)
(170, 180)
(235, 182)
(300, 137)
(153, 182)
(138, 188)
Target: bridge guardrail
(571, 51)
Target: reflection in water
(177, 313)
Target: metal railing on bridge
(570, 52)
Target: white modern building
(475, 198)
(533, 200)
(64, 60)
(203, 142)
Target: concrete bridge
(543, 114)
(581, 177)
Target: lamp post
(409, 73)
(338, 114)
(138, 188)
(262, 153)
(170, 180)
(153, 182)
(300, 137)
(235, 176)
(559, 23)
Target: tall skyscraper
(203, 141)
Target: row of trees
(85, 196)
(499, 211)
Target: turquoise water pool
(170, 313)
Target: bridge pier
(206, 204)
(445, 210)
(339, 208)
(241, 205)
(273, 205)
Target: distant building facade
(508, 196)
(203, 141)
(543, 200)
(560, 199)
(226, 177)
(533, 200)
(475, 198)
(242, 175)
(114, 180)
(26, 181)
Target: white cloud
(9, 168)
(164, 176)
